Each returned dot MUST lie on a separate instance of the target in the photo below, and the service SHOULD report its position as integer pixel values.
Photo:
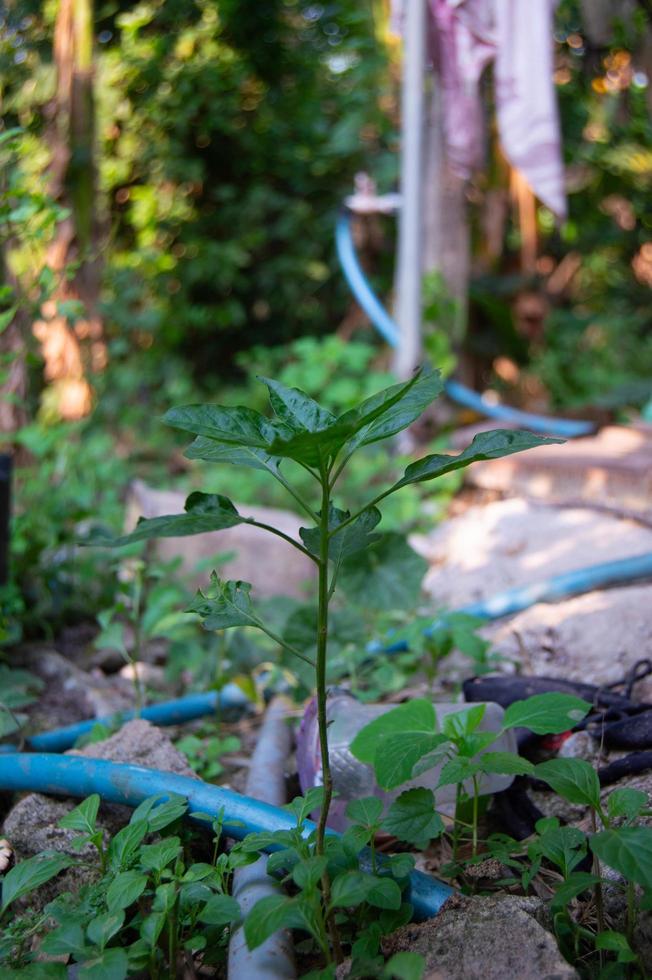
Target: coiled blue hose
(117, 782)
(388, 329)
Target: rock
(141, 744)
(271, 565)
(70, 694)
(490, 938)
(596, 637)
(512, 543)
(581, 745)
(31, 826)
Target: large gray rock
(271, 565)
(31, 826)
(491, 938)
(512, 543)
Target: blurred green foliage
(228, 134)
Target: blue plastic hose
(62, 775)
(176, 712)
(388, 329)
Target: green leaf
(350, 889)
(397, 740)
(412, 818)
(366, 811)
(6, 316)
(84, 816)
(505, 764)
(353, 538)
(417, 715)
(302, 806)
(239, 426)
(383, 893)
(564, 846)
(30, 874)
(461, 723)
(458, 770)
(397, 756)
(163, 814)
(627, 850)
(395, 415)
(220, 910)
(157, 856)
(125, 844)
(486, 445)
(308, 872)
(387, 575)
(626, 803)
(67, 940)
(125, 889)
(383, 409)
(227, 604)
(574, 885)
(547, 714)
(574, 779)
(215, 452)
(268, 916)
(405, 966)
(103, 927)
(296, 409)
(615, 942)
(37, 971)
(203, 512)
(112, 964)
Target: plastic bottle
(353, 779)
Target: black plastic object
(505, 690)
(616, 721)
(5, 513)
(513, 812)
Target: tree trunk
(72, 177)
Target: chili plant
(322, 444)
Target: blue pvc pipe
(175, 712)
(62, 775)
(388, 329)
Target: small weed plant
(322, 444)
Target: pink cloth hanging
(517, 36)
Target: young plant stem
(597, 889)
(631, 911)
(138, 639)
(320, 677)
(456, 822)
(476, 796)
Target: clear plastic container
(353, 779)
